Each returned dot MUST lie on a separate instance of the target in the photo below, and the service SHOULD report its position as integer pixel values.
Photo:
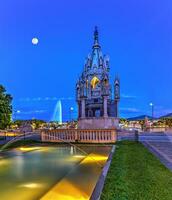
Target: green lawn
(136, 174)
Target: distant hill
(141, 117)
(167, 116)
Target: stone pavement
(155, 137)
(162, 150)
(3, 142)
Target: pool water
(48, 172)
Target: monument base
(98, 123)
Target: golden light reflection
(78, 156)
(65, 191)
(95, 157)
(79, 182)
(4, 161)
(25, 149)
(31, 185)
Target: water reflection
(34, 172)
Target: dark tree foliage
(5, 108)
(167, 121)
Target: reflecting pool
(51, 172)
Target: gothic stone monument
(97, 106)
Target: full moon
(35, 41)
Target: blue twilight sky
(137, 35)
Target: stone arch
(90, 113)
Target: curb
(100, 183)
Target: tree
(5, 108)
(123, 121)
(35, 123)
(142, 124)
(168, 121)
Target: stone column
(116, 109)
(83, 108)
(105, 114)
(79, 109)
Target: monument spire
(96, 107)
(96, 38)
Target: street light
(15, 113)
(71, 110)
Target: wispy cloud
(27, 99)
(129, 110)
(126, 96)
(21, 112)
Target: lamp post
(15, 113)
(71, 110)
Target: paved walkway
(3, 142)
(162, 150)
(155, 137)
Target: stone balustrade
(80, 135)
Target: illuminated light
(79, 156)
(94, 82)
(71, 108)
(87, 83)
(151, 104)
(24, 149)
(31, 185)
(11, 134)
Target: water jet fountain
(57, 115)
